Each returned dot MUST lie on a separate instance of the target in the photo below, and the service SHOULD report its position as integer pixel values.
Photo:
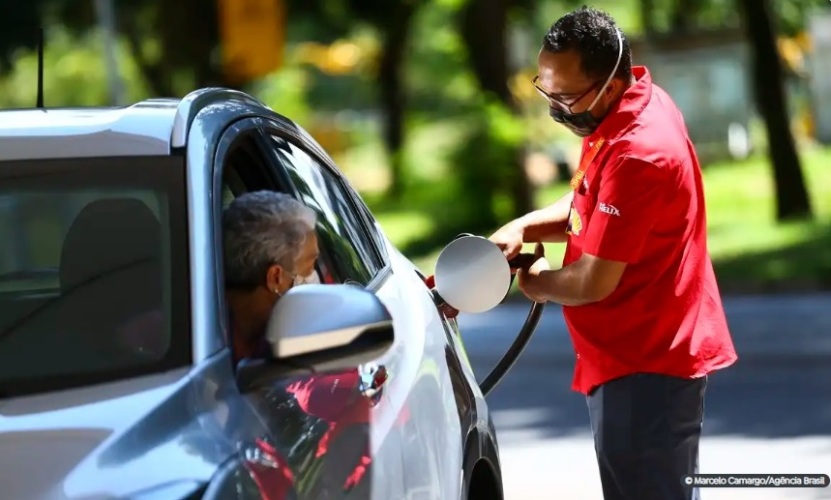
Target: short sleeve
(632, 196)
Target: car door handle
(373, 379)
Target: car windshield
(93, 271)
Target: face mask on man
(584, 123)
(311, 278)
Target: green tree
(74, 73)
(174, 50)
(763, 22)
(174, 43)
(768, 74)
(483, 25)
(392, 20)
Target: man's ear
(272, 278)
(614, 89)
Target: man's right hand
(509, 239)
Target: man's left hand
(530, 280)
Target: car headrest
(108, 235)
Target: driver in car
(270, 245)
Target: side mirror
(322, 328)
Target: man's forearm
(547, 224)
(589, 279)
(567, 286)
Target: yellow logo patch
(575, 224)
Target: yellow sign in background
(253, 36)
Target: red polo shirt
(642, 202)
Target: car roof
(141, 129)
(149, 128)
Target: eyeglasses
(559, 102)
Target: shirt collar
(627, 108)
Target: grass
(750, 250)
(753, 253)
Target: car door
(415, 416)
(284, 461)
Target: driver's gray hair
(263, 228)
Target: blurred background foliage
(428, 108)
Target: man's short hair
(260, 229)
(592, 34)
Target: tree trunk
(393, 93)
(185, 62)
(792, 199)
(156, 73)
(189, 44)
(685, 16)
(484, 30)
(647, 14)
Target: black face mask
(582, 124)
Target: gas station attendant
(637, 286)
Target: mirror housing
(322, 328)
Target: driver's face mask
(584, 123)
(311, 278)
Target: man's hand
(509, 239)
(529, 280)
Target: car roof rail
(154, 102)
(196, 101)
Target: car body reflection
(318, 442)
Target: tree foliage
(175, 46)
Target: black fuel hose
(512, 354)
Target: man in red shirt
(637, 285)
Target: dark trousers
(646, 432)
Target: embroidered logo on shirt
(609, 209)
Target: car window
(92, 256)
(342, 234)
(372, 228)
(239, 164)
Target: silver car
(116, 376)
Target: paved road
(769, 413)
